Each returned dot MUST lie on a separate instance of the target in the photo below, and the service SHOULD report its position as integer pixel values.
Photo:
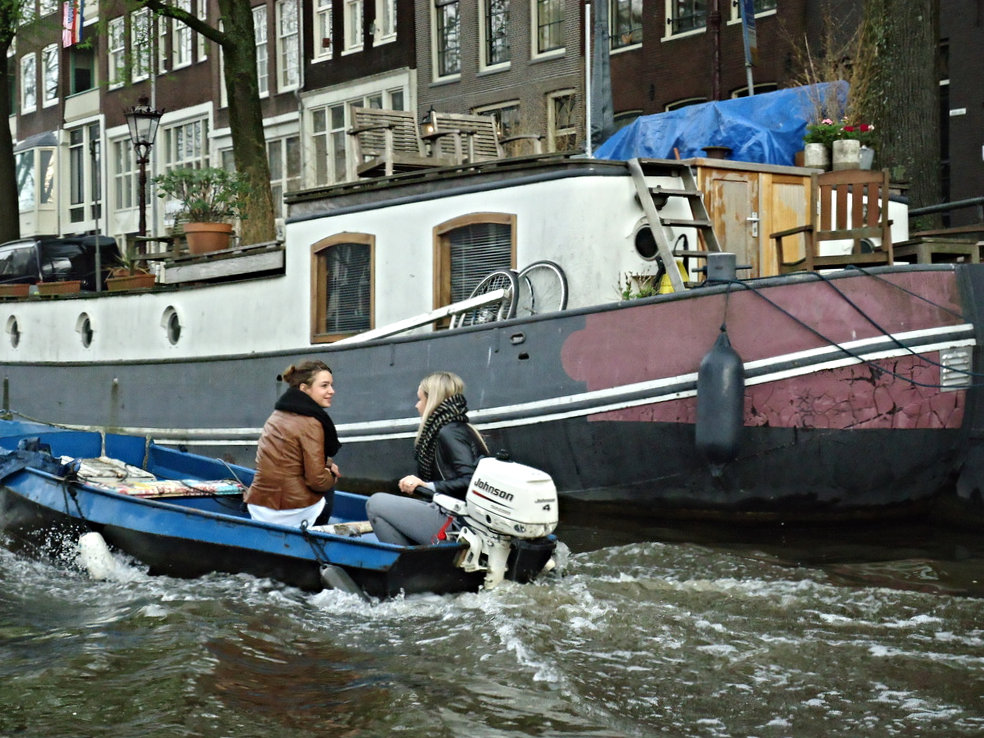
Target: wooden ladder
(699, 217)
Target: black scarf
(453, 409)
(295, 401)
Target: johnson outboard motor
(506, 519)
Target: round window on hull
(84, 328)
(13, 331)
(172, 325)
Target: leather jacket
(455, 458)
(291, 468)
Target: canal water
(649, 631)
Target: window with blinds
(342, 303)
(469, 248)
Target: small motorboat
(183, 515)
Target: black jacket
(456, 456)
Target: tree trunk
(899, 66)
(9, 226)
(246, 120)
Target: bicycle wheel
(542, 289)
(501, 309)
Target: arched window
(468, 249)
(341, 286)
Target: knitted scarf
(295, 401)
(453, 409)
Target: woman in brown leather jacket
(295, 471)
(447, 449)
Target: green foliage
(825, 132)
(207, 195)
(637, 286)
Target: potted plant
(210, 199)
(818, 141)
(14, 289)
(128, 274)
(61, 287)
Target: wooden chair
(473, 137)
(388, 141)
(847, 204)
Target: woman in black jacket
(447, 451)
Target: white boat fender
(96, 557)
(720, 401)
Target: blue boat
(182, 515)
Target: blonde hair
(304, 373)
(436, 388)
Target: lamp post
(142, 121)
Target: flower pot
(816, 156)
(67, 287)
(141, 280)
(206, 237)
(847, 154)
(14, 290)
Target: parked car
(57, 259)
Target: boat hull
(850, 408)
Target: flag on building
(71, 22)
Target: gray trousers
(403, 520)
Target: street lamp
(142, 121)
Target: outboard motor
(506, 518)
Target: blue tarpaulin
(766, 128)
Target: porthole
(13, 331)
(645, 244)
(172, 325)
(83, 326)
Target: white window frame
(29, 83)
(323, 29)
(125, 180)
(202, 13)
(181, 38)
(116, 52)
(636, 11)
(437, 50)
(736, 11)
(141, 44)
(353, 13)
(384, 28)
(288, 38)
(288, 180)
(49, 6)
(261, 31)
(671, 15)
(535, 25)
(177, 152)
(163, 33)
(49, 75)
(483, 36)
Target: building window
(469, 248)
(284, 155)
(287, 45)
(35, 178)
(117, 53)
(185, 145)
(142, 43)
(549, 25)
(324, 29)
(508, 124)
(495, 29)
(84, 182)
(561, 121)
(48, 7)
(328, 131)
(761, 8)
(625, 18)
(685, 15)
(385, 29)
(343, 296)
(352, 17)
(760, 87)
(125, 180)
(49, 65)
(262, 50)
(448, 27)
(677, 104)
(181, 38)
(202, 41)
(29, 83)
